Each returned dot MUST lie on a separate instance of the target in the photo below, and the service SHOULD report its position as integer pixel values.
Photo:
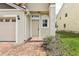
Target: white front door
(35, 28)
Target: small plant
(52, 45)
(47, 42)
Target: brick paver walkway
(5, 46)
(30, 48)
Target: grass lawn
(70, 42)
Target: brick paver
(5, 46)
(27, 49)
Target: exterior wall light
(18, 17)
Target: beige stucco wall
(72, 20)
(37, 6)
(44, 32)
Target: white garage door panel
(7, 31)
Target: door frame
(31, 24)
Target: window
(13, 20)
(18, 17)
(64, 25)
(56, 26)
(1, 20)
(66, 15)
(7, 20)
(45, 23)
(35, 16)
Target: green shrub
(52, 45)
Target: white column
(52, 19)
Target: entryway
(35, 28)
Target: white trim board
(15, 6)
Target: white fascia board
(15, 6)
(10, 10)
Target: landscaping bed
(52, 46)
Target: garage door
(7, 28)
